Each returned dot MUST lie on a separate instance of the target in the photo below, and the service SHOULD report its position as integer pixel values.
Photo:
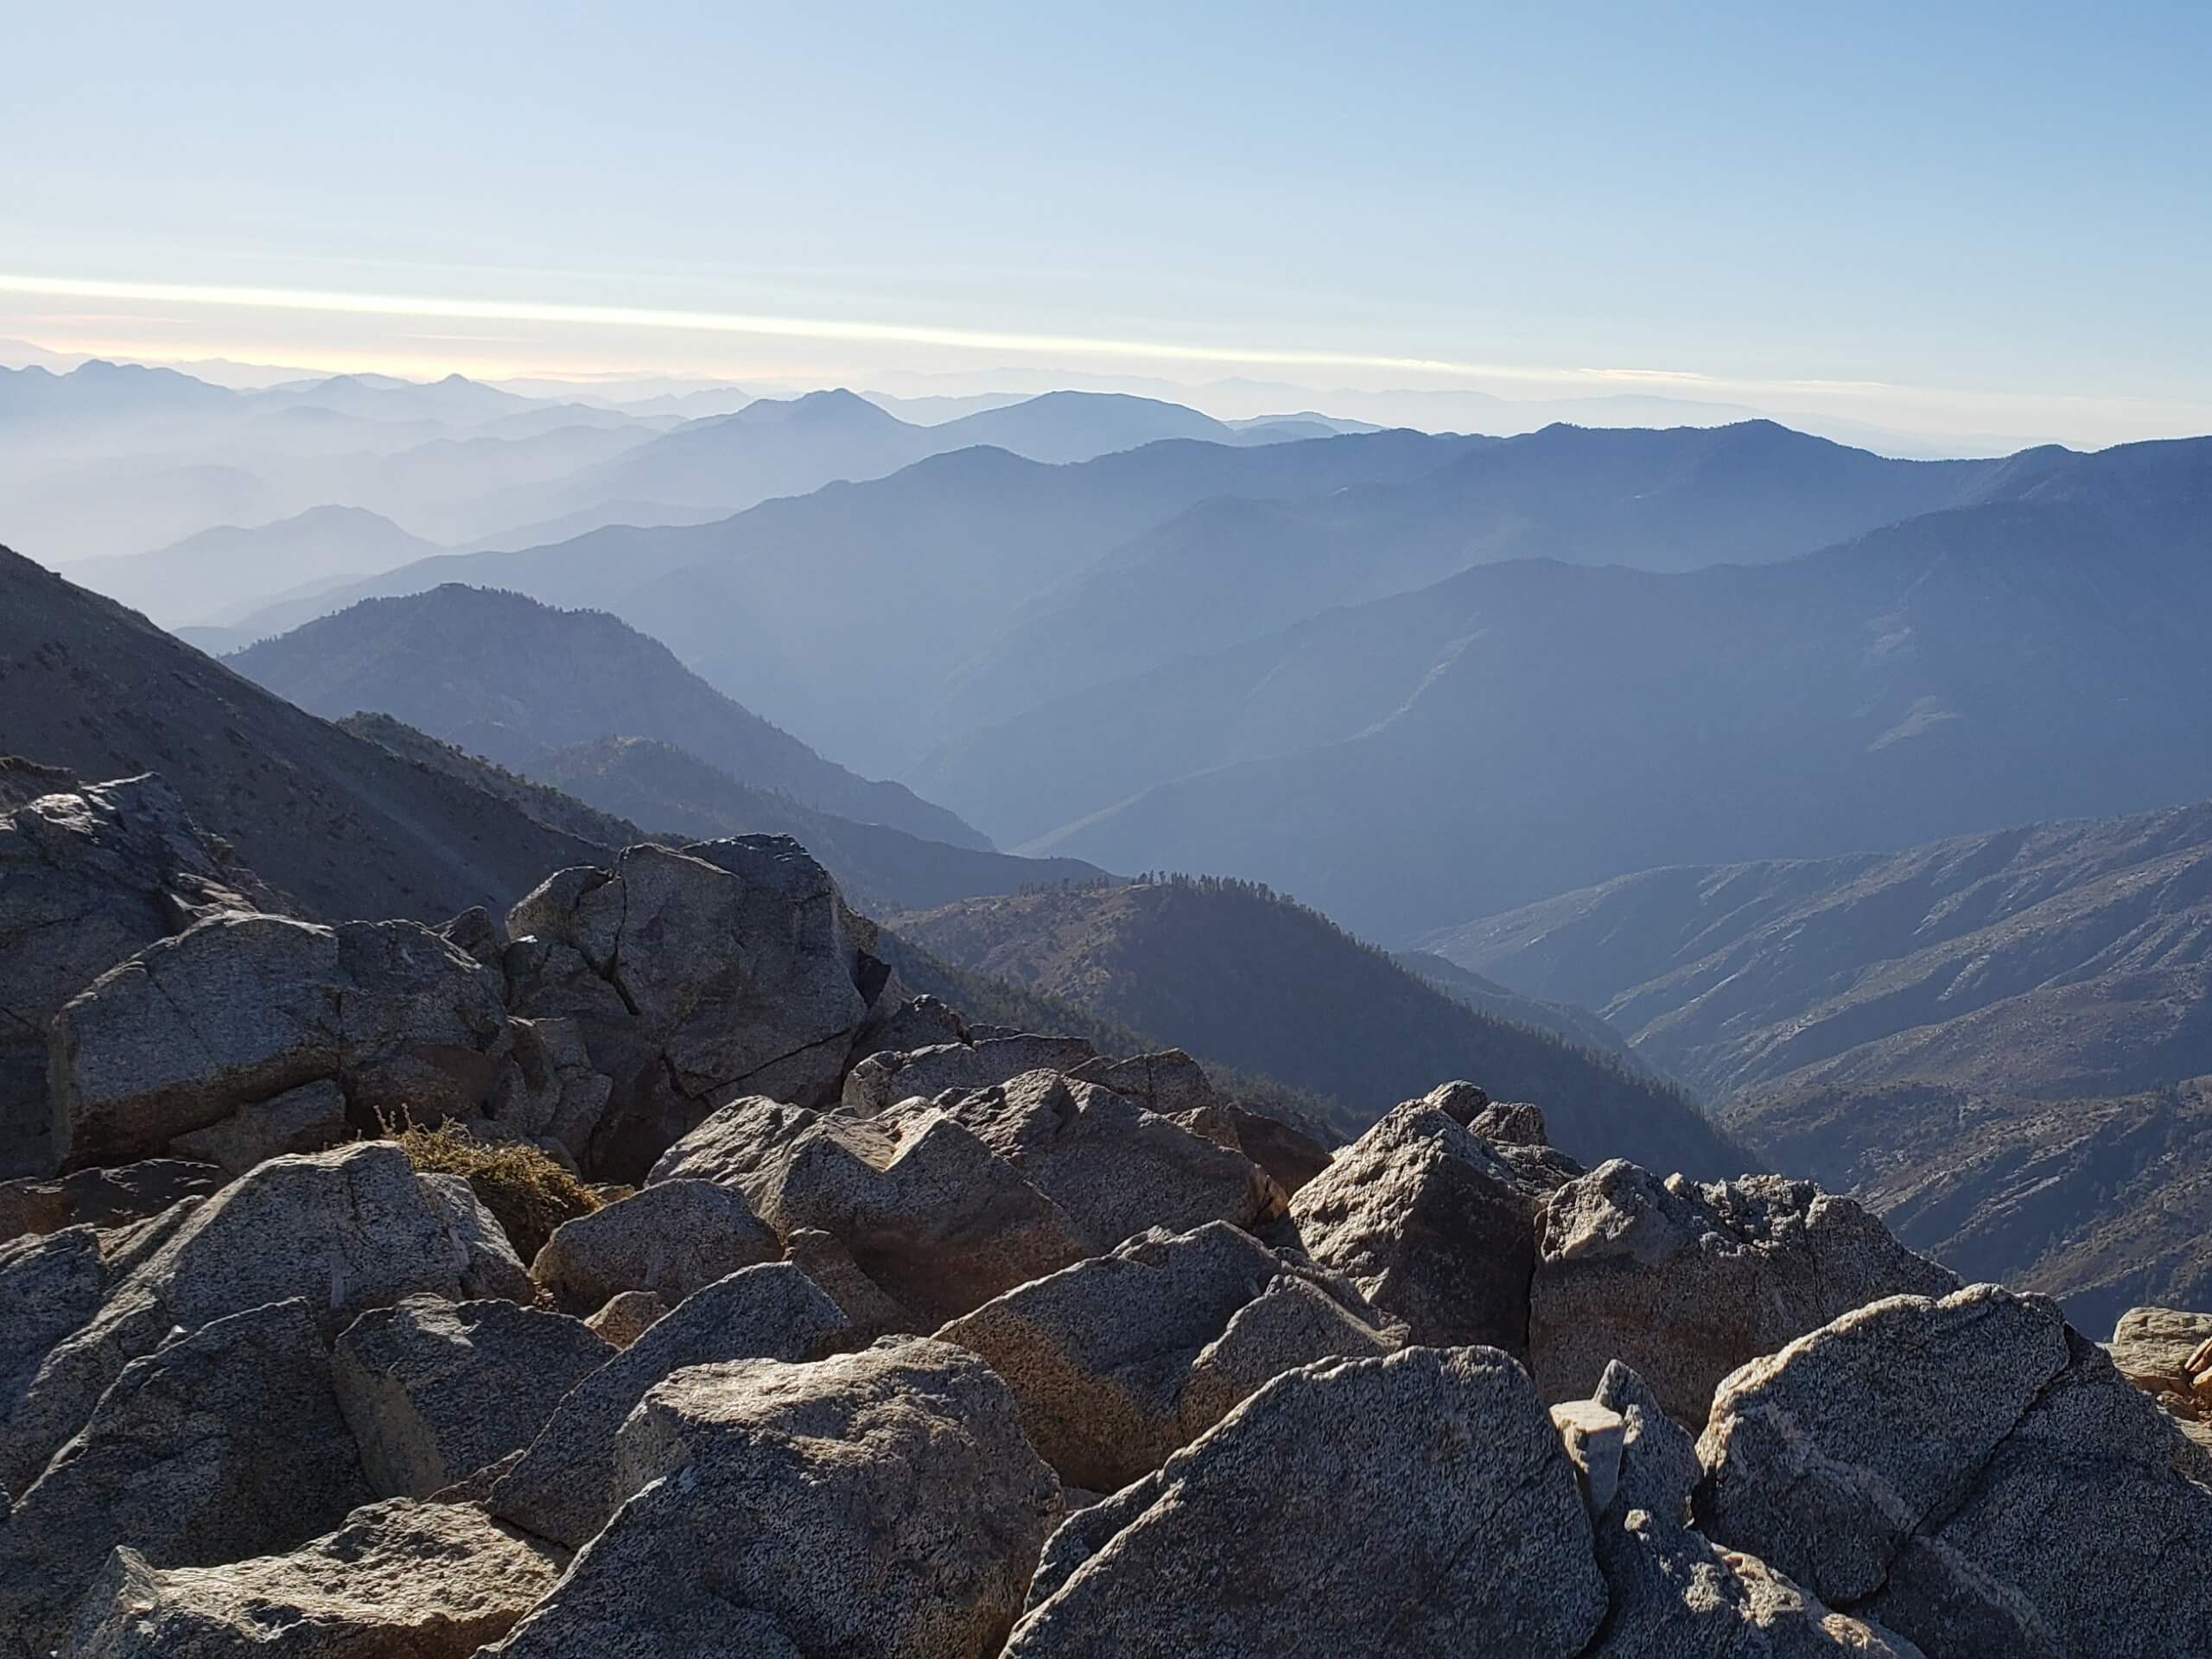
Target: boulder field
(891, 1337)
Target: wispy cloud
(808, 328)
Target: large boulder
(1684, 1281)
(224, 1443)
(87, 878)
(564, 1487)
(397, 1581)
(1674, 1595)
(890, 1075)
(1972, 1474)
(1116, 1168)
(673, 1237)
(434, 1390)
(1419, 1503)
(1434, 1224)
(731, 967)
(343, 1230)
(876, 1506)
(1120, 1361)
(928, 1213)
(239, 1010)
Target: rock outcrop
(1972, 1474)
(1434, 1224)
(341, 1231)
(103, 1197)
(880, 1505)
(2167, 1353)
(564, 1487)
(240, 1010)
(1120, 1361)
(673, 1237)
(928, 1213)
(1114, 1167)
(731, 967)
(434, 1390)
(1684, 1281)
(222, 1444)
(1418, 1503)
(397, 1581)
(886, 1078)
(88, 877)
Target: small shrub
(524, 1189)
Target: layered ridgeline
(1232, 971)
(1983, 1036)
(513, 680)
(338, 824)
(987, 585)
(908, 1338)
(1525, 728)
(606, 790)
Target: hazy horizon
(1975, 226)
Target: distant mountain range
(513, 680)
(340, 825)
(1231, 971)
(1524, 729)
(916, 572)
(217, 576)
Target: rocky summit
(648, 1272)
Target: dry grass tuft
(527, 1191)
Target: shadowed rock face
(1970, 1472)
(1435, 1225)
(1120, 1361)
(87, 878)
(225, 1444)
(1686, 1282)
(1468, 1520)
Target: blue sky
(1966, 217)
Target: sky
(1964, 219)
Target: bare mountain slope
(341, 826)
(1231, 971)
(505, 677)
(2053, 960)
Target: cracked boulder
(1972, 1474)
(434, 1390)
(731, 967)
(344, 1231)
(220, 1444)
(876, 1506)
(889, 1077)
(397, 1581)
(240, 1010)
(673, 1237)
(88, 877)
(1120, 1361)
(1673, 1594)
(1436, 1226)
(1684, 1281)
(564, 1487)
(1114, 1167)
(1419, 1503)
(928, 1214)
